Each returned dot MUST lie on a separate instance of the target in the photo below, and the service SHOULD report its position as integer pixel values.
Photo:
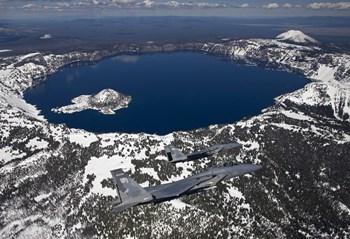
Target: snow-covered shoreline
(55, 180)
(327, 68)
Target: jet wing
(123, 206)
(179, 188)
(211, 182)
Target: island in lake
(106, 101)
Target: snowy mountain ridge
(21, 73)
(55, 181)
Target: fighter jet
(174, 155)
(131, 194)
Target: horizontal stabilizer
(174, 154)
(123, 206)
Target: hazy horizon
(72, 9)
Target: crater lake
(170, 92)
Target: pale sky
(12, 9)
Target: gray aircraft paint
(129, 192)
(174, 155)
(164, 192)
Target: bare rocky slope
(55, 181)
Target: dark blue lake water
(170, 92)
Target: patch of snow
(4, 72)
(312, 94)
(298, 115)
(325, 73)
(82, 138)
(22, 225)
(234, 192)
(21, 104)
(245, 205)
(346, 138)
(250, 145)
(79, 103)
(76, 227)
(37, 143)
(21, 58)
(8, 154)
(178, 204)
(285, 126)
(46, 36)
(343, 207)
(186, 172)
(151, 172)
(101, 168)
(107, 140)
(34, 231)
(42, 196)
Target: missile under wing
(174, 155)
(130, 193)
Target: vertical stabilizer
(128, 190)
(174, 154)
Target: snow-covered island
(106, 101)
